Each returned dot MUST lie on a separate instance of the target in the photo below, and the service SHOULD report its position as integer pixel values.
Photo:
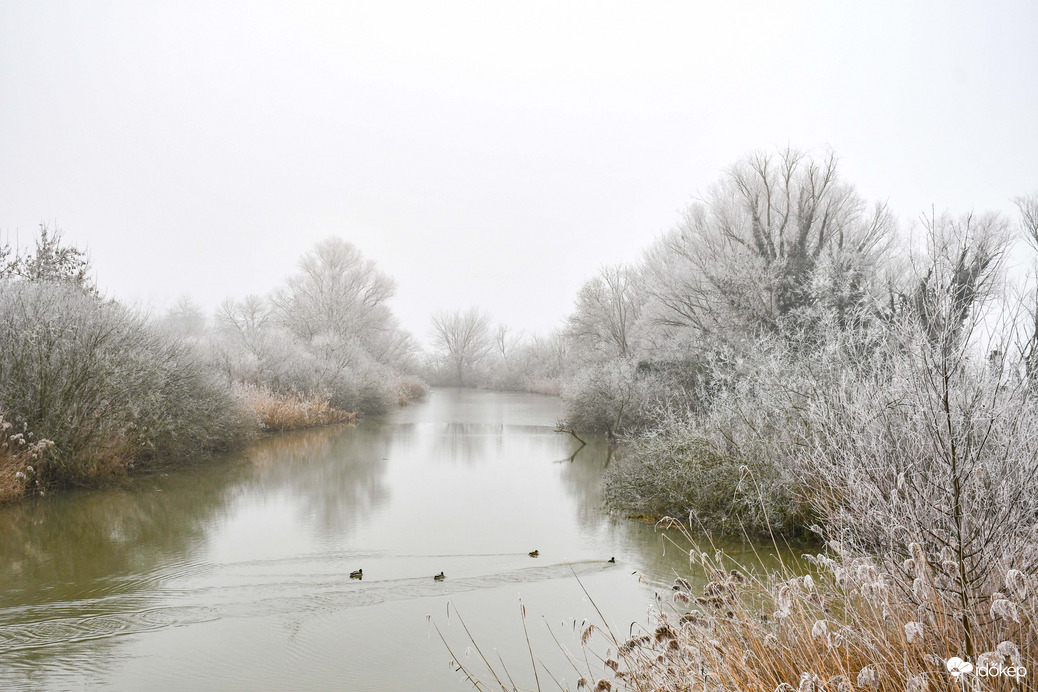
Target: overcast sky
(482, 153)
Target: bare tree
(506, 341)
(746, 255)
(50, 260)
(247, 319)
(8, 262)
(463, 338)
(962, 272)
(1028, 206)
(607, 314)
(549, 353)
(185, 318)
(937, 448)
(340, 298)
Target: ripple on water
(295, 593)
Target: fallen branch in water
(560, 428)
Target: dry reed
(20, 455)
(846, 623)
(833, 623)
(281, 412)
(410, 389)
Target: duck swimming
(612, 560)
(534, 553)
(359, 574)
(439, 577)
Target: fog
(758, 274)
(480, 154)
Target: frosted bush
(104, 386)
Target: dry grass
(410, 389)
(281, 412)
(848, 623)
(835, 623)
(13, 476)
(20, 456)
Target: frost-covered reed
(846, 623)
(832, 622)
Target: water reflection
(334, 476)
(94, 543)
(464, 443)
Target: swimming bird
(439, 577)
(359, 574)
(534, 553)
(612, 560)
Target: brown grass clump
(846, 624)
(281, 412)
(20, 456)
(410, 389)
(838, 623)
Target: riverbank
(24, 457)
(91, 388)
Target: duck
(358, 574)
(612, 560)
(534, 553)
(439, 577)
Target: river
(234, 573)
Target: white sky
(484, 153)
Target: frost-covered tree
(338, 294)
(49, 260)
(960, 273)
(1028, 206)
(462, 339)
(328, 333)
(248, 320)
(186, 319)
(8, 262)
(748, 253)
(606, 319)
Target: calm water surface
(235, 575)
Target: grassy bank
(28, 465)
(26, 462)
